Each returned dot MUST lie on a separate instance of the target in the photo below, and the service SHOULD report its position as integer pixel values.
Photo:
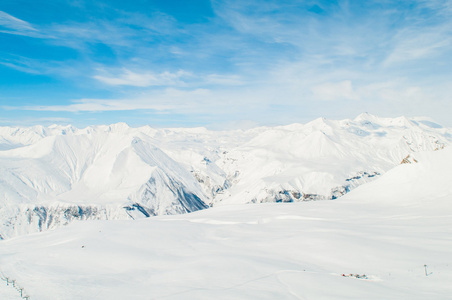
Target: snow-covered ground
(8, 292)
(387, 230)
(51, 176)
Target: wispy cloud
(180, 78)
(422, 38)
(418, 47)
(145, 79)
(12, 25)
(80, 36)
(29, 121)
(127, 39)
(272, 22)
(123, 33)
(167, 100)
(61, 69)
(22, 67)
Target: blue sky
(222, 64)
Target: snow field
(262, 251)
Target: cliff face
(25, 219)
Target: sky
(222, 64)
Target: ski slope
(387, 230)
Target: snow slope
(52, 176)
(386, 230)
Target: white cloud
(224, 79)
(12, 25)
(45, 67)
(27, 121)
(169, 99)
(20, 67)
(267, 21)
(144, 79)
(413, 45)
(180, 78)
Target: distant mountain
(50, 176)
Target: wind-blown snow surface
(387, 229)
(52, 176)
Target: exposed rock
(408, 160)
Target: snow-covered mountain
(50, 176)
(388, 239)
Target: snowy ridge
(323, 159)
(50, 176)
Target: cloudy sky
(223, 64)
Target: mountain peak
(366, 117)
(119, 127)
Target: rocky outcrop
(19, 220)
(408, 160)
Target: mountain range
(51, 176)
(385, 239)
